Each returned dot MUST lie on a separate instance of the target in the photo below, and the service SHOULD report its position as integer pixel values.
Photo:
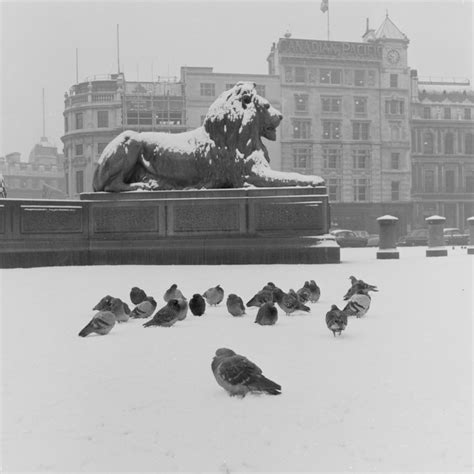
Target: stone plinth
(225, 226)
(387, 238)
(470, 223)
(436, 247)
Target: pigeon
(137, 295)
(304, 293)
(173, 293)
(235, 305)
(260, 298)
(104, 304)
(144, 309)
(354, 287)
(183, 308)
(214, 295)
(121, 315)
(336, 320)
(102, 322)
(359, 302)
(197, 305)
(315, 291)
(239, 376)
(165, 316)
(267, 314)
(289, 302)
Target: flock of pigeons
(234, 372)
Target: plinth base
(388, 255)
(436, 253)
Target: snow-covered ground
(393, 393)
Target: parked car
(348, 238)
(373, 240)
(361, 233)
(453, 236)
(415, 237)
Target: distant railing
(103, 97)
(78, 99)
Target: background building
(41, 177)
(346, 109)
(442, 149)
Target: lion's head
(239, 118)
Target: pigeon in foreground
(103, 322)
(165, 316)
(214, 295)
(239, 376)
(144, 309)
(303, 293)
(235, 305)
(197, 305)
(359, 302)
(183, 308)
(137, 295)
(172, 293)
(289, 302)
(336, 320)
(104, 304)
(267, 314)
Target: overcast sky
(39, 41)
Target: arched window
(469, 144)
(428, 147)
(449, 144)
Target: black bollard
(387, 238)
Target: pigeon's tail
(303, 307)
(252, 302)
(148, 323)
(86, 331)
(268, 386)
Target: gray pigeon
(289, 302)
(165, 316)
(137, 295)
(144, 309)
(336, 320)
(214, 295)
(235, 305)
(102, 322)
(173, 293)
(197, 305)
(239, 376)
(183, 308)
(267, 314)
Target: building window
(360, 105)
(449, 181)
(228, 87)
(428, 143)
(449, 144)
(361, 158)
(79, 120)
(469, 144)
(447, 113)
(79, 181)
(300, 74)
(302, 158)
(100, 148)
(395, 191)
(394, 80)
(208, 89)
(301, 102)
(301, 129)
(359, 78)
(331, 104)
(394, 107)
(371, 78)
(429, 181)
(470, 184)
(288, 74)
(260, 90)
(334, 189)
(331, 130)
(395, 160)
(330, 76)
(135, 117)
(332, 158)
(426, 112)
(102, 119)
(361, 189)
(66, 124)
(467, 113)
(79, 150)
(360, 130)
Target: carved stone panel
(287, 216)
(50, 219)
(205, 218)
(125, 219)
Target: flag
(324, 6)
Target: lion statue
(226, 152)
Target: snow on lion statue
(226, 152)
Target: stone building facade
(41, 177)
(346, 108)
(442, 151)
